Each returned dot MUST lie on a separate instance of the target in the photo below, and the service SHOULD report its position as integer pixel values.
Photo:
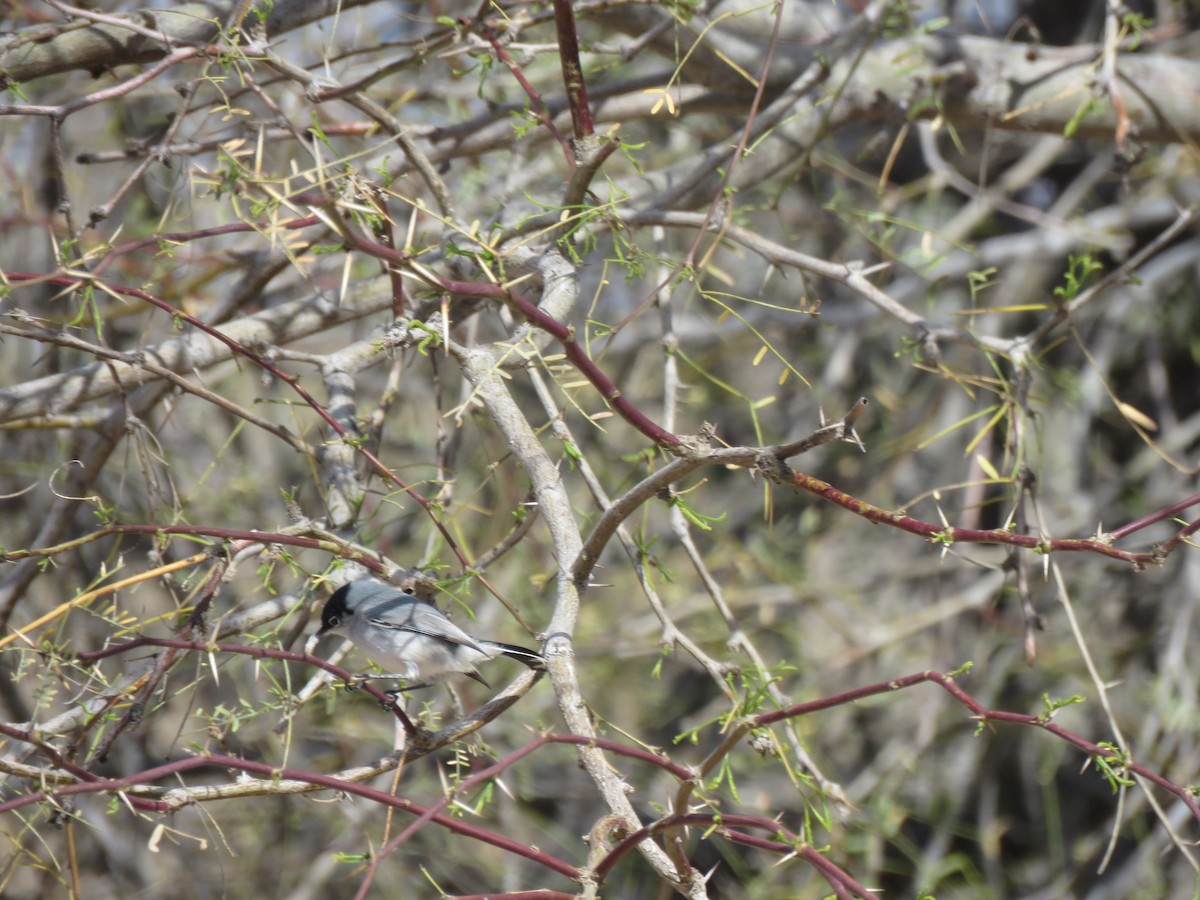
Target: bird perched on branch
(408, 637)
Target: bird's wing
(401, 615)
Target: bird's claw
(357, 681)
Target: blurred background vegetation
(1027, 335)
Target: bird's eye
(335, 621)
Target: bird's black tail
(531, 658)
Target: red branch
(61, 762)
(292, 381)
(779, 839)
(564, 334)
(543, 114)
(258, 653)
(171, 770)
(568, 54)
(782, 841)
(1165, 513)
(983, 714)
(184, 237)
(104, 94)
(541, 894)
(246, 536)
(947, 534)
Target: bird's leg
(372, 676)
(356, 681)
(394, 694)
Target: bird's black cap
(336, 610)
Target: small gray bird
(414, 641)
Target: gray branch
(100, 47)
(274, 327)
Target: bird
(411, 639)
